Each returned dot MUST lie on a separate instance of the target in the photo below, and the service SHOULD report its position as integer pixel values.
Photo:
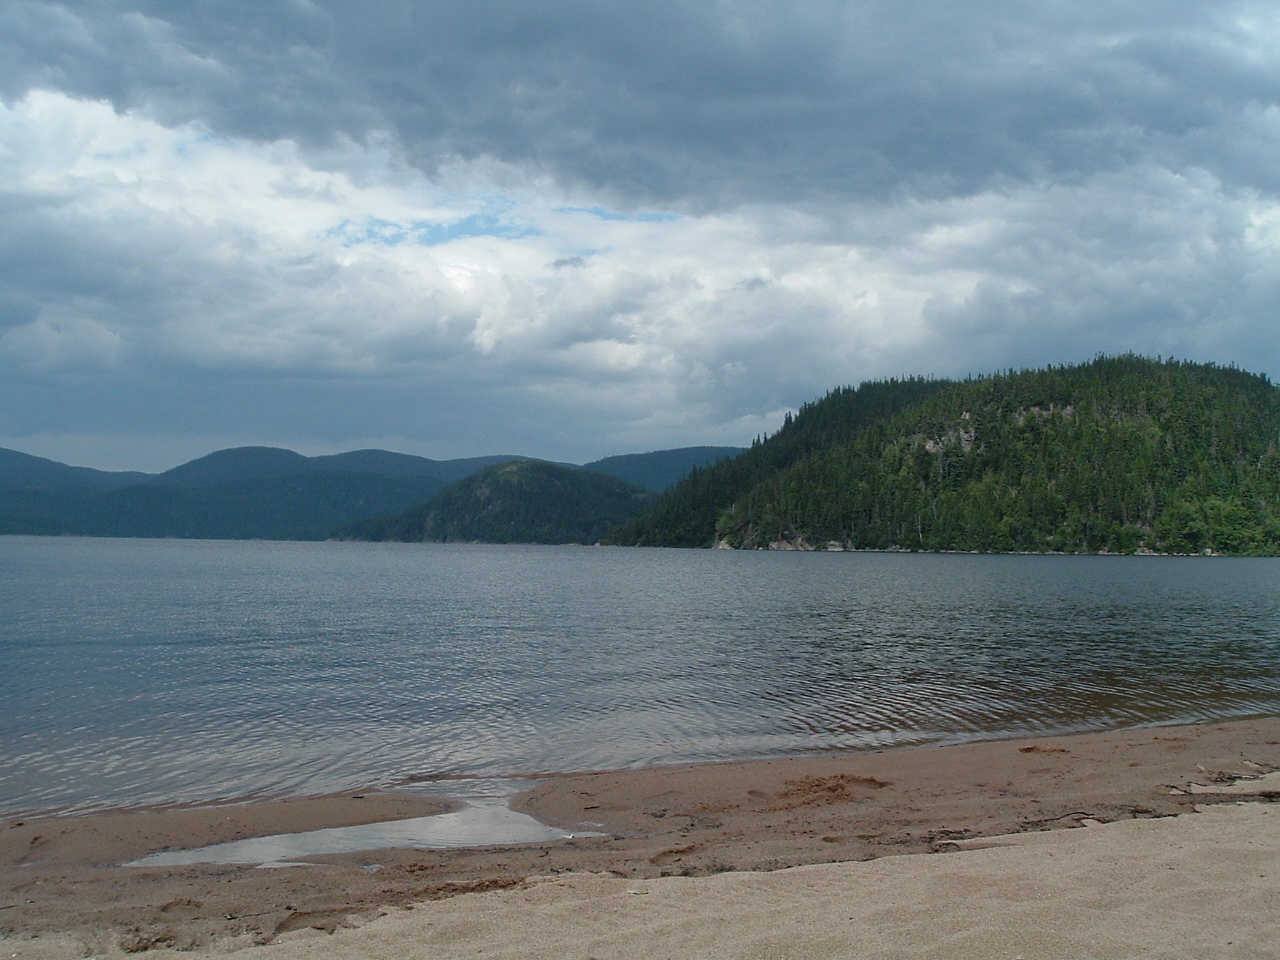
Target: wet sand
(725, 836)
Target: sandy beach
(1156, 842)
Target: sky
(577, 229)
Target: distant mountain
(390, 464)
(237, 463)
(660, 469)
(1122, 454)
(241, 493)
(25, 470)
(252, 492)
(260, 463)
(527, 501)
(302, 507)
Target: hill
(660, 469)
(235, 464)
(686, 515)
(260, 492)
(24, 470)
(262, 463)
(1123, 454)
(527, 501)
(390, 464)
(301, 507)
(257, 493)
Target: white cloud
(52, 343)
(582, 239)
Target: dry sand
(693, 863)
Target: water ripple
(159, 671)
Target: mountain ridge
(250, 492)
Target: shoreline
(60, 881)
(411, 790)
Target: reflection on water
(161, 671)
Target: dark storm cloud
(693, 105)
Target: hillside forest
(1122, 455)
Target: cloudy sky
(577, 229)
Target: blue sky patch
(423, 233)
(642, 216)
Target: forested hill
(1122, 454)
(686, 514)
(527, 501)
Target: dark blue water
(146, 671)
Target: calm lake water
(149, 671)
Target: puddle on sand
(487, 819)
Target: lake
(162, 671)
